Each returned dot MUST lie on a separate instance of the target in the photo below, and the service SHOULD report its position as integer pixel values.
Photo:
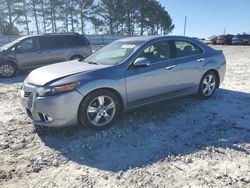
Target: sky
(209, 17)
(204, 17)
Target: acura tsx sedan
(125, 74)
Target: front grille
(27, 94)
(28, 89)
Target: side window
(157, 52)
(60, 42)
(52, 42)
(184, 48)
(75, 41)
(85, 40)
(27, 45)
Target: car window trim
(151, 43)
(165, 61)
(28, 51)
(193, 44)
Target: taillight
(90, 46)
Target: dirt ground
(184, 142)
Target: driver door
(147, 84)
(28, 53)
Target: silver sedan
(125, 74)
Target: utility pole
(185, 25)
(224, 30)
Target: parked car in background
(241, 39)
(199, 39)
(202, 40)
(211, 40)
(123, 75)
(35, 51)
(224, 39)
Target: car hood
(46, 74)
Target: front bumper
(61, 109)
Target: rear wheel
(7, 70)
(99, 109)
(208, 85)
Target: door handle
(200, 60)
(170, 67)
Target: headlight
(47, 91)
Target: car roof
(152, 37)
(54, 34)
(60, 34)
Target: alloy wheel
(208, 85)
(101, 110)
(7, 70)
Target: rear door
(54, 48)
(189, 60)
(28, 53)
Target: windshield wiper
(93, 63)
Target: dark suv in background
(34, 51)
(241, 39)
(224, 39)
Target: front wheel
(7, 70)
(99, 109)
(208, 85)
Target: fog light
(45, 117)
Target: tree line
(124, 17)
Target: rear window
(85, 39)
(184, 48)
(75, 41)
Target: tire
(7, 70)
(76, 57)
(208, 85)
(99, 109)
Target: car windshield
(8, 45)
(114, 53)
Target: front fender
(117, 85)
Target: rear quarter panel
(215, 60)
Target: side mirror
(141, 62)
(18, 47)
